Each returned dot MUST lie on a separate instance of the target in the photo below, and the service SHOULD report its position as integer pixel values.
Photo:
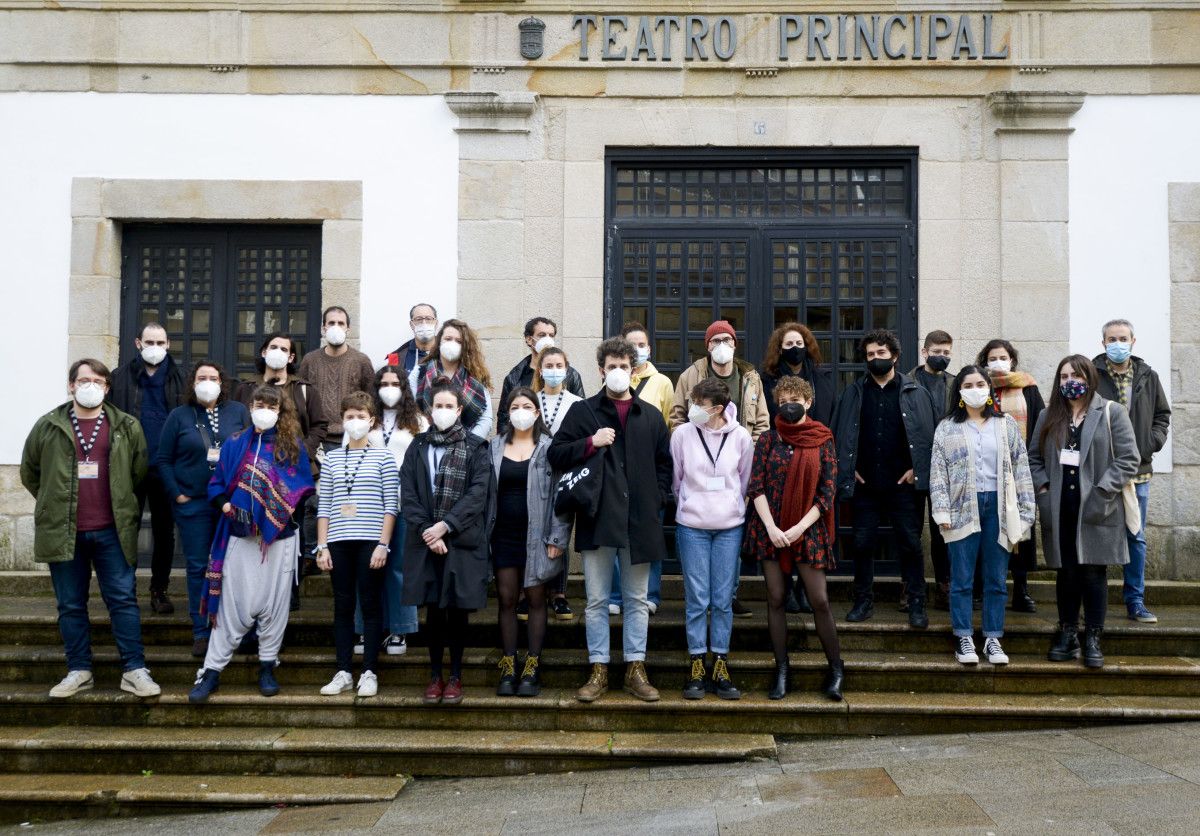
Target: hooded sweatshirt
(703, 501)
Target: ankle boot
(694, 688)
(1065, 645)
(834, 678)
(596, 686)
(531, 681)
(1022, 601)
(917, 617)
(637, 683)
(507, 686)
(941, 596)
(207, 682)
(779, 687)
(722, 683)
(267, 685)
(1092, 656)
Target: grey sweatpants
(253, 589)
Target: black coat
(522, 375)
(920, 416)
(637, 476)
(460, 577)
(1148, 407)
(126, 394)
(821, 379)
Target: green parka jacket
(48, 472)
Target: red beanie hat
(721, 326)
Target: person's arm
(762, 416)
(31, 460)
(570, 444)
(1020, 462)
(574, 382)
(318, 423)
(662, 463)
(415, 514)
(325, 498)
(1162, 413)
(366, 375)
(677, 469)
(502, 421)
(1037, 460)
(483, 427)
(939, 478)
(1034, 406)
(679, 403)
(1126, 457)
(139, 461)
(745, 462)
(164, 457)
(665, 398)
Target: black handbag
(578, 490)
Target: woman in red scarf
(792, 486)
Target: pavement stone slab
(1112, 769)
(856, 816)
(807, 787)
(334, 818)
(675, 793)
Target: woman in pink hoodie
(712, 456)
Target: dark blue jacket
(182, 455)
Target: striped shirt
(358, 487)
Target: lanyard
(86, 446)
(550, 421)
(711, 457)
(214, 427)
(387, 431)
(349, 479)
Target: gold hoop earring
(961, 404)
(991, 402)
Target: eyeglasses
(721, 341)
(424, 320)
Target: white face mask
(522, 419)
(444, 417)
(451, 351)
(1002, 366)
(617, 381)
(643, 356)
(424, 333)
(542, 344)
(89, 395)
(722, 354)
(356, 428)
(153, 354)
(263, 418)
(207, 391)
(390, 395)
(276, 358)
(697, 414)
(973, 397)
(335, 335)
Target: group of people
(394, 481)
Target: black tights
(508, 590)
(1088, 585)
(818, 597)
(446, 626)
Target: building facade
(1026, 170)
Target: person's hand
(435, 532)
(945, 526)
(438, 547)
(604, 437)
(181, 499)
(553, 552)
(778, 539)
(908, 478)
(859, 479)
(227, 509)
(794, 533)
(379, 557)
(324, 560)
(1044, 490)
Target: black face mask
(791, 412)
(938, 362)
(879, 366)
(795, 355)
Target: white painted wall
(403, 149)
(1124, 151)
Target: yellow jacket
(658, 391)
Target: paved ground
(1132, 779)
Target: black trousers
(152, 491)
(937, 549)
(904, 508)
(1078, 584)
(352, 576)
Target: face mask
(451, 351)
(444, 418)
(1073, 389)
(617, 381)
(938, 362)
(643, 356)
(335, 335)
(263, 418)
(1118, 352)
(554, 377)
(154, 354)
(275, 358)
(722, 354)
(356, 428)
(542, 344)
(792, 412)
(390, 395)
(89, 395)
(795, 355)
(424, 333)
(879, 366)
(973, 397)
(1000, 366)
(522, 419)
(207, 390)
(698, 414)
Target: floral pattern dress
(772, 458)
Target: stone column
(1180, 520)
(1032, 134)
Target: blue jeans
(597, 580)
(72, 580)
(196, 520)
(963, 555)
(1135, 569)
(654, 592)
(710, 561)
(397, 619)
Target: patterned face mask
(1073, 389)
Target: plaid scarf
(474, 395)
(451, 480)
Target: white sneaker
(360, 645)
(138, 682)
(368, 685)
(994, 652)
(966, 651)
(341, 682)
(72, 684)
(614, 609)
(651, 607)
(395, 645)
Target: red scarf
(804, 473)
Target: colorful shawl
(1009, 388)
(474, 395)
(264, 491)
(450, 482)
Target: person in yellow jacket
(657, 389)
(745, 385)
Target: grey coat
(1101, 534)
(545, 527)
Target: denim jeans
(1135, 569)
(397, 619)
(72, 581)
(653, 590)
(196, 520)
(963, 555)
(710, 560)
(597, 581)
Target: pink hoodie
(698, 505)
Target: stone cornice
(1020, 110)
(506, 112)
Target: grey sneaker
(72, 684)
(139, 683)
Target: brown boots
(636, 683)
(596, 686)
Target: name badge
(349, 509)
(715, 483)
(1069, 458)
(214, 455)
(89, 470)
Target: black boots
(779, 687)
(1065, 645)
(507, 687)
(1092, 657)
(834, 679)
(917, 618)
(1022, 601)
(722, 684)
(694, 689)
(531, 680)
(863, 609)
(267, 685)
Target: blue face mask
(1118, 352)
(554, 377)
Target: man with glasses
(423, 319)
(741, 378)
